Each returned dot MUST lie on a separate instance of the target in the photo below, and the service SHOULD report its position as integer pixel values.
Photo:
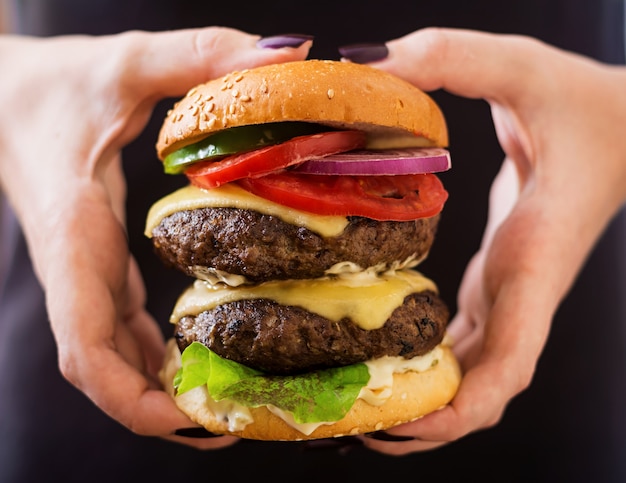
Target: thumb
(168, 64)
(467, 63)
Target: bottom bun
(414, 394)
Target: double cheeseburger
(311, 199)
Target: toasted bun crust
(339, 94)
(413, 395)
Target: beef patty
(279, 339)
(263, 247)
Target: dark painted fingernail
(385, 436)
(196, 433)
(364, 53)
(285, 40)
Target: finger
(86, 297)
(142, 328)
(500, 358)
(466, 328)
(169, 63)
(504, 368)
(468, 63)
(401, 448)
(211, 442)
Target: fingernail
(196, 433)
(364, 53)
(285, 40)
(385, 436)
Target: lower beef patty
(278, 339)
(263, 247)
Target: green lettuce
(319, 396)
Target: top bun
(338, 94)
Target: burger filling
(286, 339)
(274, 344)
(209, 240)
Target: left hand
(554, 113)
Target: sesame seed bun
(338, 94)
(413, 396)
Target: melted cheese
(232, 196)
(368, 300)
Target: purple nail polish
(364, 53)
(285, 40)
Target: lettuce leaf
(319, 396)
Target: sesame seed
(192, 91)
(211, 123)
(330, 93)
(235, 93)
(209, 97)
(231, 108)
(239, 77)
(245, 98)
(208, 107)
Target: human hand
(69, 106)
(559, 118)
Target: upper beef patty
(279, 339)
(263, 247)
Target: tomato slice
(392, 198)
(236, 140)
(262, 161)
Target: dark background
(568, 426)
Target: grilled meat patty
(263, 247)
(279, 339)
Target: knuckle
(524, 380)
(68, 368)
(137, 427)
(436, 42)
(207, 42)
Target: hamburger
(311, 199)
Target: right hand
(69, 105)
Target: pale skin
(542, 109)
(560, 119)
(74, 102)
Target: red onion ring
(379, 163)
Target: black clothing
(570, 425)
